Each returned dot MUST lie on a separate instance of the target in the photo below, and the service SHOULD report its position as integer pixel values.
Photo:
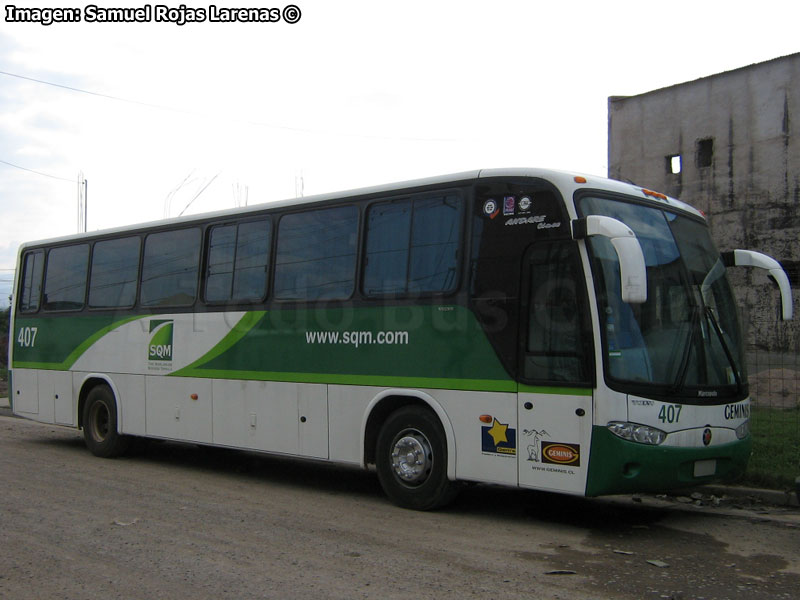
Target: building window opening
(705, 153)
(674, 164)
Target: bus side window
(558, 322)
(65, 277)
(238, 261)
(316, 254)
(170, 268)
(412, 246)
(115, 273)
(388, 227)
(31, 284)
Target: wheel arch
(91, 381)
(388, 401)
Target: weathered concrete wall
(748, 184)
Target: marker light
(486, 419)
(635, 432)
(653, 194)
(579, 179)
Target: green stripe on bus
(78, 350)
(557, 391)
(362, 346)
(478, 385)
(241, 329)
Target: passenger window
(65, 278)
(412, 246)
(170, 268)
(114, 273)
(32, 270)
(316, 254)
(238, 259)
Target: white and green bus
(520, 327)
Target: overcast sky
(356, 93)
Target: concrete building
(728, 144)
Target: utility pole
(83, 203)
(240, 194)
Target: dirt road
(175, 521)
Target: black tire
(100, 424)
(411, 460)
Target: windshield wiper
(680, 380)
(714, 274)
(725, 347)
(687, 352)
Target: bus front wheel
(100, 424)
(411, 460)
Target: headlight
(743, 430)
(635, 432)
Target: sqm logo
(160, 340)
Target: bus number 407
(27, 336)
(670, 414)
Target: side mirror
(632, 270)
(749, 258)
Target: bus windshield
(685, 339)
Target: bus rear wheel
(100, 424)
(411, 460)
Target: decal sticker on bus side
(557, 453)
(499, 438)
(160, 348)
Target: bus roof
(568, 182)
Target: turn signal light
(743, 430)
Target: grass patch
(775, 462)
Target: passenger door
(556, 370)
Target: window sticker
(490, 208)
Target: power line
(37, 172)
(198, 194)
(245, 121)
(80, 91)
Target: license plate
(704, 468)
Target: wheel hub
(411, 457)
(100, 419)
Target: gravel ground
(177, 521)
